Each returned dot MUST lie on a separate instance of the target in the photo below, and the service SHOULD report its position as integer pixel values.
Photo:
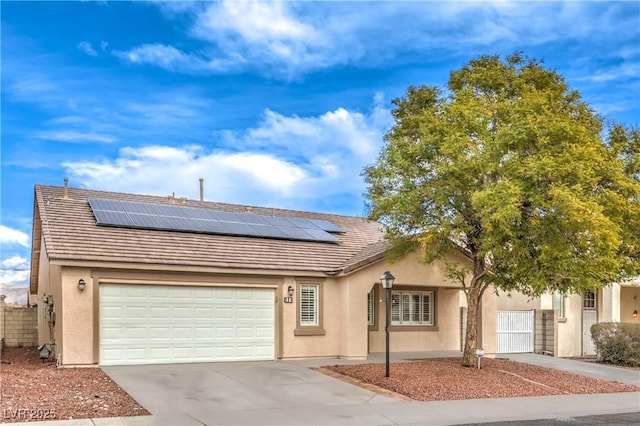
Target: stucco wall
(77, 318)
(611, 301)
(628, 304)
(49, 284)
(323, 345)
(515, 301)
(570, 329)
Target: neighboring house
(566, 320)
(223, 282)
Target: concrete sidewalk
(289, 393)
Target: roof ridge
(221, 203)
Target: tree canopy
(509, 165)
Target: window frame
(590, 298)
(558, 303)
(317, 328)
(398, 300)
(372, 306)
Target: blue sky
(279, 104)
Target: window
(558, 304)
(371, 308)
(309, 304)
(589, 300)
(412, 308)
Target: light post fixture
(387, 282)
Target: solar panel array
(130, 214)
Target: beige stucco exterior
(630, 303)
(343, 306)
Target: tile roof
(71, 233)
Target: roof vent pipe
(66, 189)
(201, 189)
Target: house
(135, 279)
(565, 321)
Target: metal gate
(515, 331)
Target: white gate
(515, 331)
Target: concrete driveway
(282, 393)
(290, 393)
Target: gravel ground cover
(442, 379)
(34, 391)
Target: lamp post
(387, 282)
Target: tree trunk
(471, 336)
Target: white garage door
(153, 324)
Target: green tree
(508, 165)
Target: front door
(589, 317)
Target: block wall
(18, 325)
(545, 332)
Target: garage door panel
(263, 314)
(224, 332)
(224, 313)
(146, 324)
(203, 313)
(245, 332)
(264, 332)
(245, 314)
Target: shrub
(617, 343)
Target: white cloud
(244, 34)
(256, 22)
(85, 47)
(14, 279)
(172, 59)
(285, 161)
(287, 39)
(74, 136)
(167, 57)
(162, 170)
(17, 263)
(13, 236)
(104, 45)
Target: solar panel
(325, 225)
(180, 223)
(255, 219)
(321, 235)
(210, 226)
(278, 221)
(227, 216)
(193, 213)
(302, 223)
(241, 229)
(105, 217)
(108, 205)
(139, 208)
(296, 233)
(147, 221)
(191, 219)
(168, 210)
(270, 231)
